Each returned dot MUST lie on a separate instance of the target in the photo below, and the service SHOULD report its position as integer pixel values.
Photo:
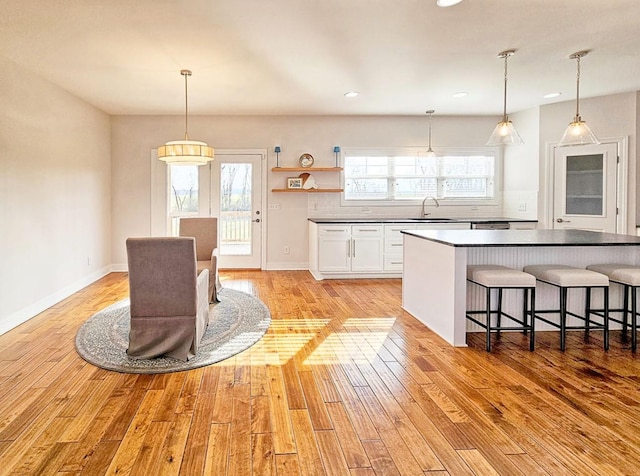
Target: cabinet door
(367, 248)
(334, 249)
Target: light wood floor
(344, 382)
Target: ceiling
(290, 57)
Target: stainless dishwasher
(491, 225)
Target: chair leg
(488, 344)
(533, 320)
(563, 318)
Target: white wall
(55, 194)
(521, 164)
(135, 136)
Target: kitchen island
(434, 285)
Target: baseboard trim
(23, 315)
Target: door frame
(158, 194)
(263, 195)
(548, 182)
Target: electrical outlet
(522, 207)
(274, 206)
(286, 250)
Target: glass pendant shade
(578, 132)
(505, 134)
(186, 152)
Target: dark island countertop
(493, 238)
(380, 220)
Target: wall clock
(306, 160)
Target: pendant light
(505, 133)
(186, 152)
(578, 131)
(430, 152)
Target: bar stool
(567, 277)
(628, 276)
(500, 277)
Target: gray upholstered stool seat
(566, 277)
(628, 276)
(500, 277)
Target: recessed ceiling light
(551, 95)
(460, 94)
(447, 3)
(351, 94)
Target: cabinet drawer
(393, 245)
(393, 262)
(366, 230)
(394, 230)
(334, 230)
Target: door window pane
(235, 208)
(585, 179)
(183, 194)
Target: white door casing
(240, 215)
(585, 187)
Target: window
(390, 177)
(183, 194)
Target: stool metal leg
(625, 307)
(533, 319)
(488, 344)
(563, 318)
(499, 309)
(525, 308)
(587, 311)
(606, 317)
(634, 337)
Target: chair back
(162, 276)
(205, 231)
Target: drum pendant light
(578, 132)
(505, 133)
(186, 152)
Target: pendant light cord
(186, 73)
(504, 110)
(578, 88)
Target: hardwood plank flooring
(344, 382)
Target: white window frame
(416, 151)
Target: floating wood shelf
(311, 190)
(306, 169)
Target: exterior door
(585, 188)
(236, 199)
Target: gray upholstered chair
(169, 299)
(205, 231)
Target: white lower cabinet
(358, 251)
(349, 248)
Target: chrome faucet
(435, 200)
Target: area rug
(237, 322)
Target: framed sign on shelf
(294, 182)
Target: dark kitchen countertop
(379, 220)
(530, 238)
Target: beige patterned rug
(237, 322)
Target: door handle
(257, 220)
(353, 254)
(560, 220)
